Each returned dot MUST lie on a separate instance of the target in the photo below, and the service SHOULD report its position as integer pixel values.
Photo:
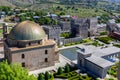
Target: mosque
(28, 45)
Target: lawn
(105, 39)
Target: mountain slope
(6, 3)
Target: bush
(63, 76)
(103, 33)
(117, 45)
(67, 68)
(47, 76)
(40, 76)
(60, 71)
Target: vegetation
(65, 35)
(14, 72)
(74, 76)
(96, 43)
(105, 39)
(60, 71)
(117, 20)
(45, 76)
(113, 70)
(88, 40)
(40, 76)
(104, 18)
(117, 45)
(103, 33)
(67, 68)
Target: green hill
(6, 3)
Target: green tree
(60, 71)
(40, 76)
(47, 75)
(14, 72)
(62, 13)
(22, 18)
(67, 68)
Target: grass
(105, 39)
(113, 70)
(117, 45)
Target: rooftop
(106, 51)
(99, 61)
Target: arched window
(23, 56)
(46, 59)
(29, 43)
(46, 51)
(38, 42)
(23, 64)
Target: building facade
(83, 27)
(28, 45)
(113, 29)
(53, 32)
(96, 61)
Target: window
(38, 42)
(29, 43)
(23, 64)
(46, 51)
(23, 56)
(46, 59)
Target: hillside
(6, 3)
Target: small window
(54, 39)
(46, 51)
(23, 64)
(29, 43)
(23, 56)
(38, 42)
(46, 59)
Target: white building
(96, 60)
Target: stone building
(53, 32)
(113, 29)
(65, 26)
(28, 45)
(79, 28)
(84, 27)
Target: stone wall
(71, 40)
(35, 57)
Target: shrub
(60, 71)
(47, 75)
(40, 76)
(103, 33)
(67, 68)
